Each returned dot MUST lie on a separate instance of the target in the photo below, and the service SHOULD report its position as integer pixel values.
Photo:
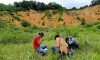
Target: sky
(64, 3)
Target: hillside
(48, 18)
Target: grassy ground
(16, 42)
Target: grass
(87, 37)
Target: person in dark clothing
(71, 43)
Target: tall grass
(16, 42)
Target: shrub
(43, 23)
(99, 19)
(42, 18)
(82, 21)
(3, 23)
(62, 10)
(91, 24)
(98, 26)
(35, 27)
(60, 19)
(64, 24)
(50, 19)
(48, 14)
(1, 14)
(54, 12)
(78, 18)
(16, 17)
(25, 23)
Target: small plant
(78, 18)
(25, 23)
(16, 17)
(82, 21)
(98, 19)
(54, 12)
(98, 26)
(64, 24)
(42, 18)
(35, 27)
(60, 19)
(50, 18)
(43, 23)
(3, 23)
(1, 14)
(48, 14)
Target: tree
(95, 2)
(74, 8)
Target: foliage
(27, 5)
(16, 17)
(1, 14)
(74, 8)
(91, 24)
(60, 19)
(43, 23)
(95, 2)
(35, 27)
(78, 18)
(82, 20)
(48, 14)
(98, 26)
(20, 42)
(25, 23)
(15, 37)
(38, 6)
(3, 23)
(62, 10)
(83, 7)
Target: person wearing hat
(42, 49)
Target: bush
(35, 27)
(98, 26)
(16, 17)
(64, 24)
(48, 14)
(25, 23)
(43, 23)
(3, 23)
(91, 24)
(1, 14)
(78, 18)
(54, 12)
(82, 21)
(60, 19)
(42, 18)
(98, 19)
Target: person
(71, 42)
(60, 47)
(42, 49)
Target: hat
(41, 33)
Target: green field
(16, 42)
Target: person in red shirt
(42, 49)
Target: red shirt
(35, 42)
